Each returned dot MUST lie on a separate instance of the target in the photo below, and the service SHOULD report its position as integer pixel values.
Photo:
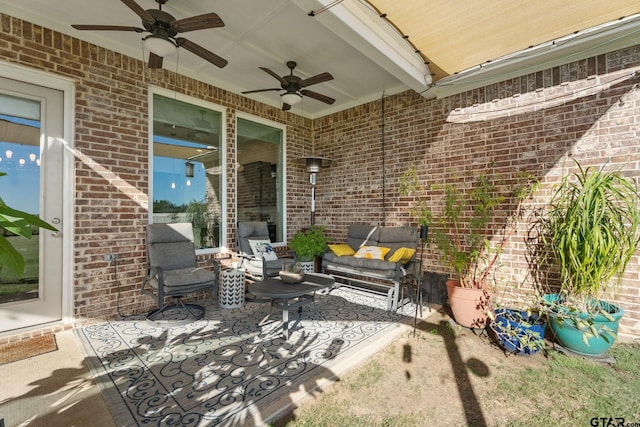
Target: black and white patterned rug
(233, 367)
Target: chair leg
(187, 313)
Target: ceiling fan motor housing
(162, 25)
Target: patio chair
(172, 271)
(255, 251)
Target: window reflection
(187, 171)
(260, 177)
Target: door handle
(56, 221)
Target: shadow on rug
(233, 367)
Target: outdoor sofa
(373, 258)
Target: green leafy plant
(461, 228)
(20, 223)
(309, 243)
(591, 230)
(205, 223)
(588, 236)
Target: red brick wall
(589, 110)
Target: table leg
(285, 318)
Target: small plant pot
(518, 332)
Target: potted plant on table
(308, 245)
(588, 236)
(461, 231)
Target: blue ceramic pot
(518, 332)
(572, 336)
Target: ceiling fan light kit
(293, 87)
(291, 98)
(159, 46)
(163, 40)
(164, 29)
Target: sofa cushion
(402, 255)
(362, 235)
(341, 249)
(372, 252)
(372, 267)
(397, 237)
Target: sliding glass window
(187, 168)
(260, 197)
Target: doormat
(14, 351)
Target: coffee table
(291, 296)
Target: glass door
(31, 156)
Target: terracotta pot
(469, 305)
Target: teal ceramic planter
(571, 337)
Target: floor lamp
(314, 164)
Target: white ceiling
(367, 56)
(257, 33)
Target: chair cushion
(254, 266)
(185, 280)
(256, 230)
(263, 249)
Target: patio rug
(14, 351)
(233, 367)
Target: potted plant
(518, 331)
(461, 231)
(307, 245)
(20, 223)
(589, 234)
(199, 216)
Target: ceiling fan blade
(146, 16)
(274, 75)
(155, 61)
(318, 96)
(286, 107)
(200, 22)
(108, 28)
(323, 77)
(261, 90)
(201, 52)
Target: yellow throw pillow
(372, 252)
(341, 249)
(402, 255)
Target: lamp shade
(314, 163)
(291, 98)
(159, 45)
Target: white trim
(358, 25)
(598, 40)
(67, 87)
(154, 90)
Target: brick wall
(111, 167)
(588, 109)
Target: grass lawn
(448, 376)
(23, 287)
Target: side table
(231, 288)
